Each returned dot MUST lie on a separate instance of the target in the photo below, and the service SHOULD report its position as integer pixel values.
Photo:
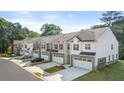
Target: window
(109, 58)
(116, 56)
(75, 46)
(60, 46)
(34, 47)
(48, 46)
(55, 46)
(25, 46)
(113, 57)
(37, 45)
(111, 46)
(88, 46)
(43, 46)
(68, 46)
(51, 46)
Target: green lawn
(54, 69)
(112, 72)
(36, 63)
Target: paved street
(11, 72)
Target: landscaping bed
(37, 63)
(54, 69)
(113, 72)
(38, 74)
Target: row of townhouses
(90, 49)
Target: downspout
(39, 50)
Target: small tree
(50, 29)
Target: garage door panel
(35, 55)
(26, 53)
(21, 53)
(45, 57)
(82, 64)
(58, 59)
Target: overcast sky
(69, 21)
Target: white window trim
(88, 46)
(74, 48)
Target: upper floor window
(48, 46)
(25, 46)
(34, 47)
(43, 46)
(51, 46)
(88, 46)
(37, 45)
(60, 46)
(111, 46)
(55, 46)
(75, 46)
(68, 46)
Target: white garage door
(58, 59)
(35, 55)
(21, 52)
(82, 64)
(26, 53)
(45, 57)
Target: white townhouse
(24, 46)
(90, 49)
(17, 46)
(94, 48)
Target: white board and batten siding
(103, 45)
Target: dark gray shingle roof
(91, 34)
(85, 35)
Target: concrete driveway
(48, 65)
(71, 73)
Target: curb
(27, 70)
(31, 72)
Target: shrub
(37, 60)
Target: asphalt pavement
(9, 71)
